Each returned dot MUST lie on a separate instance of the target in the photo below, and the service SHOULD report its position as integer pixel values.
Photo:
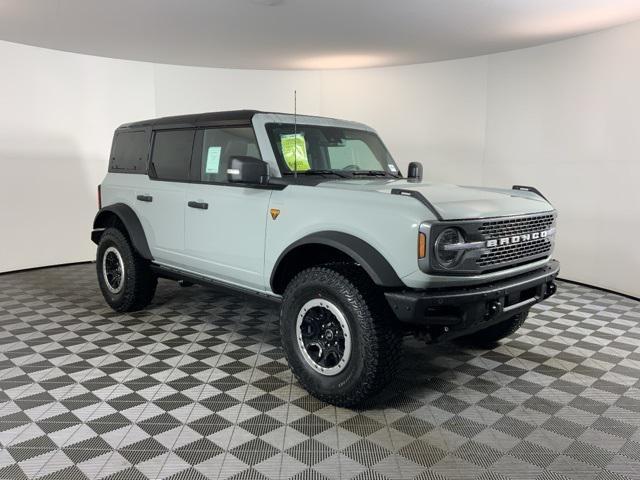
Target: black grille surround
(529, 246)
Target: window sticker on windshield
(213, 160)
(294, 151)
(392, 167)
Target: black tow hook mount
(493, 308)
(551, 289)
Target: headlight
(448, 258)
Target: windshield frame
(333, 174)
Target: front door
(225, 223)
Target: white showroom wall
(57, 115)
(562, 117)
(565, 117)
(182, 89)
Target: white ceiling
(302, 34)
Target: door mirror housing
(414, 172)
(248, 170)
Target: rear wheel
(125, 278)
(496, 332)
(337, 334)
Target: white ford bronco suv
(314, 213)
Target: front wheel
(337, 334)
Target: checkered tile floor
(197, 387)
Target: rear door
(161, 200)
(127, 167)
(225, 223)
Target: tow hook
(551, 289)
(493, 309)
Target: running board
(178, 275)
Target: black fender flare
(370, 259)
(130, 221)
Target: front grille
(515, 226)
(523, 250)
(510, 253)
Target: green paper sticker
(213, 160)
(294, 151)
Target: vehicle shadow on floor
(424, 375)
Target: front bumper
(447, 313)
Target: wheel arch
(122, 216)
(327, 246)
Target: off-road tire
(139, 281)
(496, 332)
(376, 343)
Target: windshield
(315, 149)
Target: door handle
(145, 198)
(201, 205)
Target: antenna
(295, 134)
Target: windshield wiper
(372, 173)
(318, 172)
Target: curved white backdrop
(563, 117)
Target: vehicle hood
(454, 202)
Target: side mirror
(248, 170)
(414, 172)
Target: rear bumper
(448, 313)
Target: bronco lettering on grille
(517, 239)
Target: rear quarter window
(171, 154)
(129, 152)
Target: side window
(171, 154)
(352, 153)
(129, 153)
(219, 145)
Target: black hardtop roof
(213, 119)
(231, 117)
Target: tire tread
(381, 340)
(140, 282)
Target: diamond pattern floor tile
(196, 387)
